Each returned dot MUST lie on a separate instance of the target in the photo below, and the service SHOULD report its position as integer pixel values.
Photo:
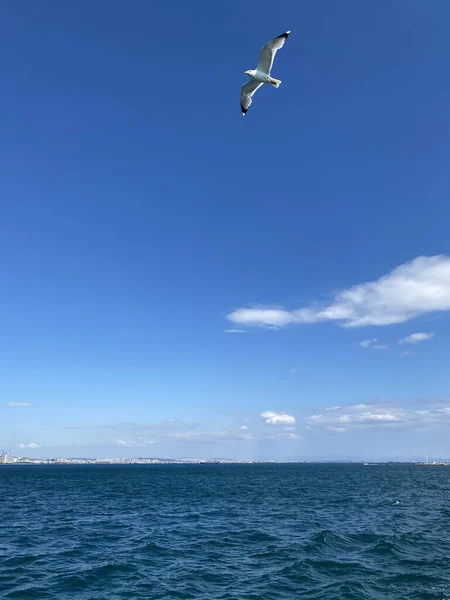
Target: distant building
(4, 457)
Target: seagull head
(249, 72)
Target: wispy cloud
(213, 436)
(382, 414)
(274, 418)
(31, 445)
(373, 345)
(139, 443)
(232, 435)
(19, 404)
(235, 331)
(410, 290)
(367, 343)
(141, 435)
(415, 338)
(292, 371)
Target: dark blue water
(225, 531)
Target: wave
(290, 533)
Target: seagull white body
(261, 74)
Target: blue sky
(143, 217)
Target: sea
(225, 531)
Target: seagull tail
(275, 82)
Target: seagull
(261, 74)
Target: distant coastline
(198, 461)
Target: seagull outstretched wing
(247, 91)
(267, 54)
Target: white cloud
(139, 443)
(292, 371)
(367, 343)
(382, 414)
(410, 290)
(373, 344)
(31, 445)
(235, 331)
(274, 418)
(242, 434)
(214, 436)
(265, 317)
(23, 404)
(415, 338)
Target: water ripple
(230, 532)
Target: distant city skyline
(141, 460)
(180, 281)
